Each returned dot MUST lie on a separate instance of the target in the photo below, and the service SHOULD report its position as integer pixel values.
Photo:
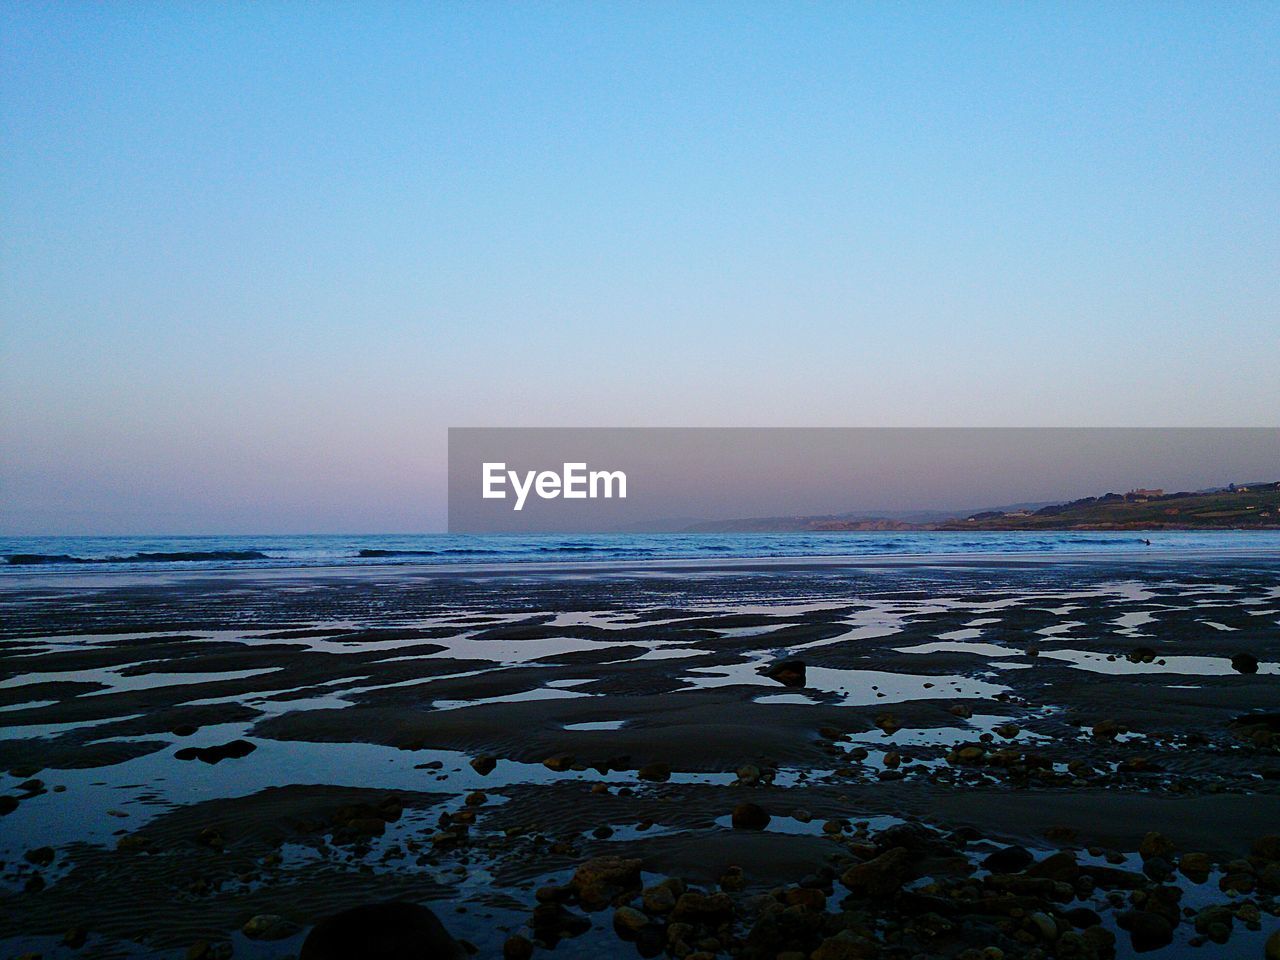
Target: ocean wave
(373, 554)
(35, 559)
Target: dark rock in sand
(483, 765)
(655, 771)
(845, 946)
(1155, 845)
(1009, 860)
(1244, 663)
(8, 804)
(1107, 729)
(40, 856)
(789, 673)
(1147, 930)
(267, 926)
(1195, 866)
(382, 931)
(695, 907)
(596, 882)
(224, 751)
(750, 816)
(628, 921)
(1158, 869)
(1060, 867)
(882, 876)
(75, 937)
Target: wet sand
(184, 752)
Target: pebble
(750, 816)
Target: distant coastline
(1253, 506)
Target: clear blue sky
(257, 257)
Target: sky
(255, 259)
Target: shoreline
(516, 568)
(476, 736)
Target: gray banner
(604, 480)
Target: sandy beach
(893, 758)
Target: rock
(845, 946)
(961, 710)
(1060, 867)
(225, 751)
(1141, 655)
(1158, 869)
(40, 856)
(483, 765)
(969, 754)
(1195, 866)
(1271, 951)
(382, 931)
(1215, 922)
(1046, 926)
(1155, 845)
(789, 673)
(559, 763)
(748, 774)
(694, 907)
(1008, 860)
(1106, 730)
(807, 898)
(628, 921)
(660, 898)
(1008, 730)
(1244, 663)
(517, 948)
(882, 876)
(1147, 930)
(659, 772)
(597, 881)
(733, 880)
(133, 843)
(888, 723)
(750, 816)
(8, 804)
(75, 937)
(268, 926)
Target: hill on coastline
(1254, 506)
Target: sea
(100, 553)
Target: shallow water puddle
(845, 687)
(1192, 666)
(977, 649)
